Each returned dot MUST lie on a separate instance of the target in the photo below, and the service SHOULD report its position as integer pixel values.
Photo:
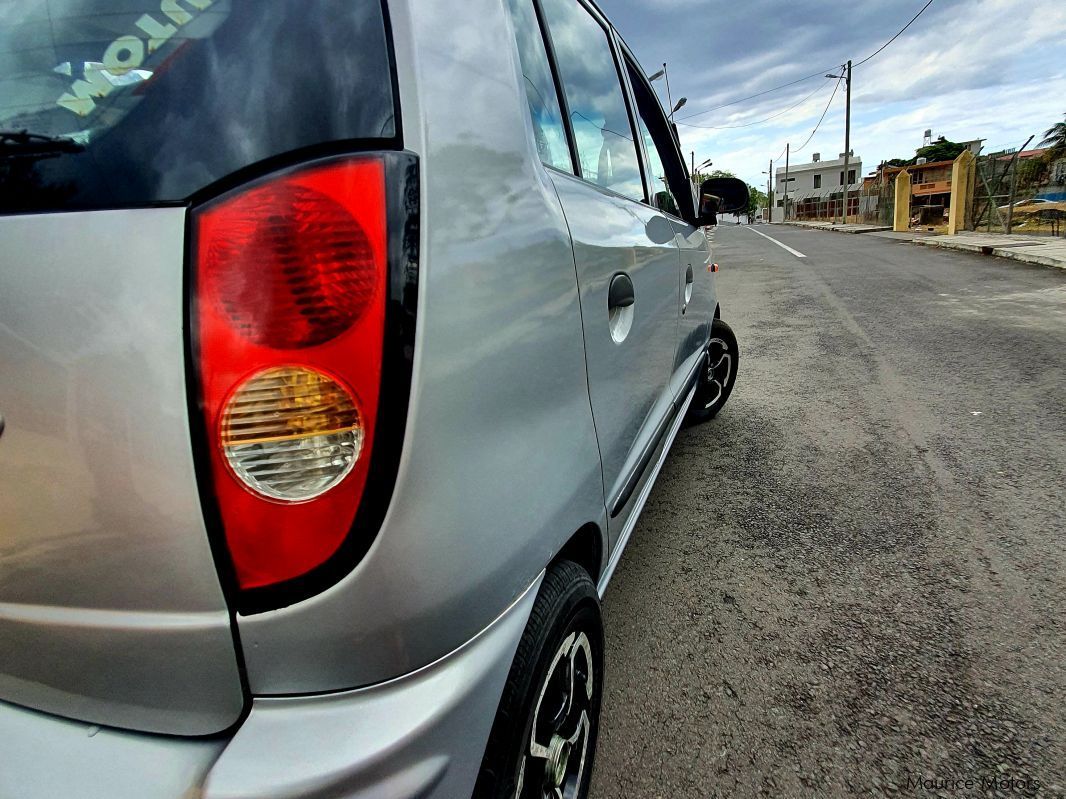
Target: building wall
(928, 181)
(802, 179)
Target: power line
(822, 117)
(837, 86)
(901, 30)
(817, 74)
(758, 122)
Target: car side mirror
(721, 196)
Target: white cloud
(966, 69)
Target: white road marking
(797, 253)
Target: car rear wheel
(544, 737)
(718, 375)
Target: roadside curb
(1001, 252)
(853, 229)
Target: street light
(680, 104)
(696, 169)
(662, 73)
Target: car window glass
(548, 130)
(597, 107)
(137, 101)
(661, 196)
(665, 173)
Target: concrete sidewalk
(1043, 250)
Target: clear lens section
(291, 433)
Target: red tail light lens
(289, 310)
(288, 265)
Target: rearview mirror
(721, 196)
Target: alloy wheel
(553, 765)
(719, 370)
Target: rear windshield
(110, 103)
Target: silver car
(340, 346)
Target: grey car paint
(110, 605)
(46, 757)
(501, 462)
(499, 397)
(627, 378)
(420, 735)
(499, 400)
(698, 296)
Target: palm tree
(1055, 141)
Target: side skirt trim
(642, 497)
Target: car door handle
(620, 294)
(687, 294)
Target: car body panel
(696, 313)
(45, 757)
(421, 735)
(499, 399)
(628, 379)
(110, 605)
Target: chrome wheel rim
(719, 370)
(553, 764)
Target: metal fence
(869, 203)
(1004, 192)
(995, 174)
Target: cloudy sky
(990, 69)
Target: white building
(816, 181)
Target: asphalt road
(853, 579)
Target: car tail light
(290, 284)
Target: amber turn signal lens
(291, 433)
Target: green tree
(699, 177)
(1032, 172)
(940, 150)
(756, 200)
(1055, 141)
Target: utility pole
(693, 164)
(847, 142)
(787, 146)
(769, 193)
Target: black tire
(565, 616)
(718, 375)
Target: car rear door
(625, 252)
